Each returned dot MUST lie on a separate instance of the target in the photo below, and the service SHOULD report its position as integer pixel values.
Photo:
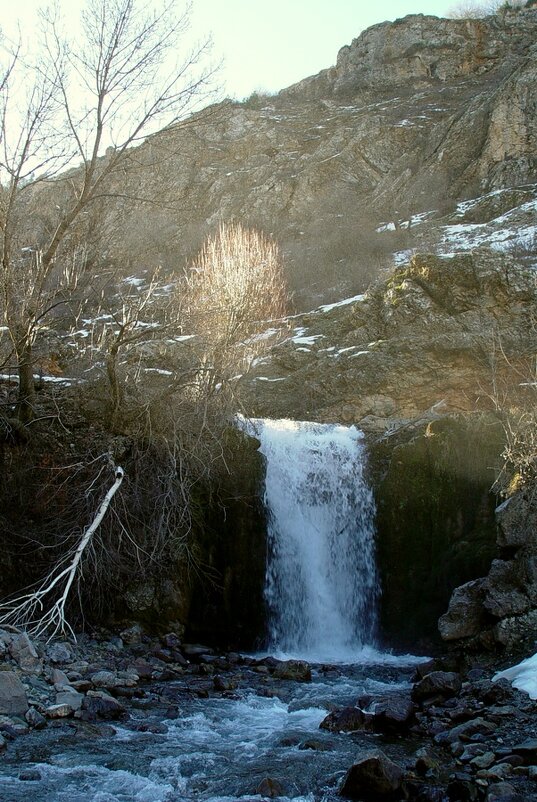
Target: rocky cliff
(347, 167)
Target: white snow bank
(344, 302)
(523, 676)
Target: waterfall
(321, 581)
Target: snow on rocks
(522, 676)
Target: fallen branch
(29, 611)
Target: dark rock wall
(435, 525)
(227, 575)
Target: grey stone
(59, 653)
(71, 698)
(13, 700)
(25, 654)
(59, 711)
(372, 777)
(35, 719)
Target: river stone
(269, 788)
(13, 699)
(372, 778)
(437, 683)
(348, 719)
(388, 713)
(24, 653)
(98, 704)
(71, 698)
(297, 670)
(35, 719)
(62, 710)
(503, 792)
(59, 653)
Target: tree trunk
(26, 398)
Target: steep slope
(416, 115)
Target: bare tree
(123, 82)
(474, 9)
(235, 293)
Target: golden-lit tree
(236, 296)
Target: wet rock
(24, 653)
(349, 719)
(503, 792)
(270, 788)
(437, 683)
(30, 775)
(3, 743)
(59, 653)
(59, 711)
(98, 704)
(389, 713)
(13, 698)
(132, 636)
(372, 778)
(35, 719)
(527, 750)
(105, 679)
(297, 670)
(466, 730)
(462, 788)
(465, 616)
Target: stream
(177, 746)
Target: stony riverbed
(132, 718)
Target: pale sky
(266, 45)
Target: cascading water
(321, 585)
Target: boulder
(465, 616)
(437, 683)
(59, 653)
(372, 778)
(297, 670)
(98, 704)
(24, 653)
(348, 719)
(13, 699)
(393, 712)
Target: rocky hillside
(368, 158)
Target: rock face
(500, 609)
(424, 336)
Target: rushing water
(322, 583)
(213, 749)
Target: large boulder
(500, 609)
(372, 778)
(13, 699)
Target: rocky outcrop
(500, 609)
(423, 341)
